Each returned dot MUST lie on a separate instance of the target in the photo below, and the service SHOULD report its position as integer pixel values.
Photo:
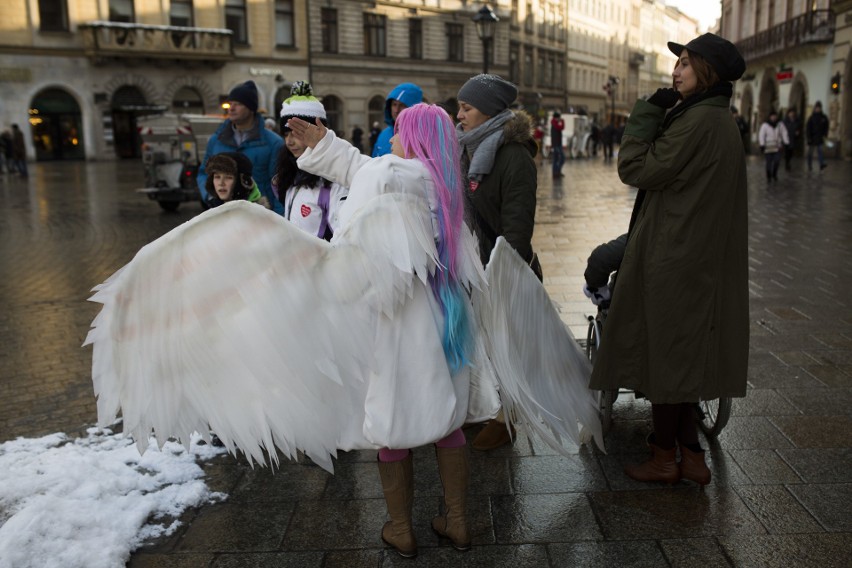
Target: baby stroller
(600, 273)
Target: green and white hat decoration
(302, 102)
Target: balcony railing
(813, 27)
(106, 40)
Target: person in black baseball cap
(686, 259)
(721, 54)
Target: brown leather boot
(661, 467)
(398, 486)
(494, 435)
(454, 467)
(693, 467)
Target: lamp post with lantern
(486, 24)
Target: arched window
(376, 111)
(56, 124)
(333, 110)
(188, 101)
(281, 95)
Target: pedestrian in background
(608, 140)
(794, 133)
(497, 160)
(311, 202)
(358, 138)
(6, 162)
(678, 326)
(19, 151)
(742, 126)
(401, 97)
(244, 131)
(375, 131)
(772, 139)
(557, 125)
(817, 130)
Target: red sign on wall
(785, 75)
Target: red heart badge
(305, 210)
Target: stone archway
(747, 111)
(56, 125)
(210, 101)
(769, 99)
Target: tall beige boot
(454, 468)
(398, 486)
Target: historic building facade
(795, 51)
(82, 72)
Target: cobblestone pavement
(781, 493)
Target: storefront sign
(15, 75)
(784, 76)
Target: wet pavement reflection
(782, 468)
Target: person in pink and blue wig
(422, 175)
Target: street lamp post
(610, 89)
(486, 23)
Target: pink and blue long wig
(427, 133)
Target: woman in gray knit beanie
(497, 160)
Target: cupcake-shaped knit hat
(302, 104)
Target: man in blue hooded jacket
(401, 97)
(244, 132)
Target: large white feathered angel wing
(542, 373)
(237, 321)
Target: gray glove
(664, 98)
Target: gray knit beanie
(489, 94)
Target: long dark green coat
(678, 325)
(503, 203)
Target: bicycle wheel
(713, 415)
(592, 339)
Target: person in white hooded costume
(285, 342)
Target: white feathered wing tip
(542, 373)
(237, 321)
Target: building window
(529, 20)
(559, 72)
(375, 35)
(329, 29)
(415, 38)
(53, 15)
(455, 42)
(541, 67)
(550, 72)
(121, 11)
(187, 100)
(333, 109)
(514, 63)
(528, 66)
(284, 34)
(180, 13)
(236, 21)
(516, 23)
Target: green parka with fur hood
(503, 203)
(678, 325)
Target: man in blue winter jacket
(244, 132)
(401, 97)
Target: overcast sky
(705, 11)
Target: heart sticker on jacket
(305, 210)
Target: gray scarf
(481, 143)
